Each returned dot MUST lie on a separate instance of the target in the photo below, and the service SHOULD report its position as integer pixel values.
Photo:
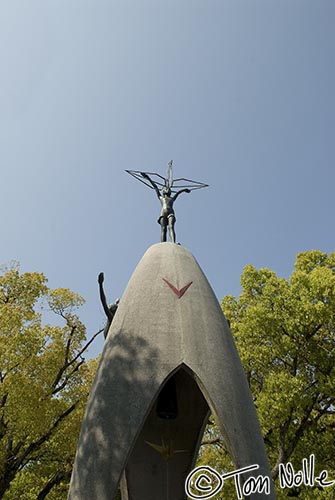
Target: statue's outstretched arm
(103, 297)
(179, 192)
(154, 185)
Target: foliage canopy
(284, 330)
(44, 384)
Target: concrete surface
(163, 328)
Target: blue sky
(239, 93)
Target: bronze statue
(167, 196)
(167, 216)
(111, 309)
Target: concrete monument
(168, 362)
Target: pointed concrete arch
(165, 450)
(168, 324)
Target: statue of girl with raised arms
(167, 195)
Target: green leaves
(284, 332)
(44, 384)
(63, 301)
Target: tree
(284, 332)
(44, 385)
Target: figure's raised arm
(103, 297)
(154, 185)
(179, 192)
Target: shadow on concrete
(119, 402)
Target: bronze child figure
(167, 190)
(110, 309)
(167, 216)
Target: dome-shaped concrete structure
(169, 326)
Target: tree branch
(67, 378)
(313, 332)
(66, 358)
(20, 461)
(86, 346)
(285, 453)
(56, 479)
(212, 441)
(281, 444)
(67, 364)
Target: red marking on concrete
(180, 292)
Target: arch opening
(167, 445)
